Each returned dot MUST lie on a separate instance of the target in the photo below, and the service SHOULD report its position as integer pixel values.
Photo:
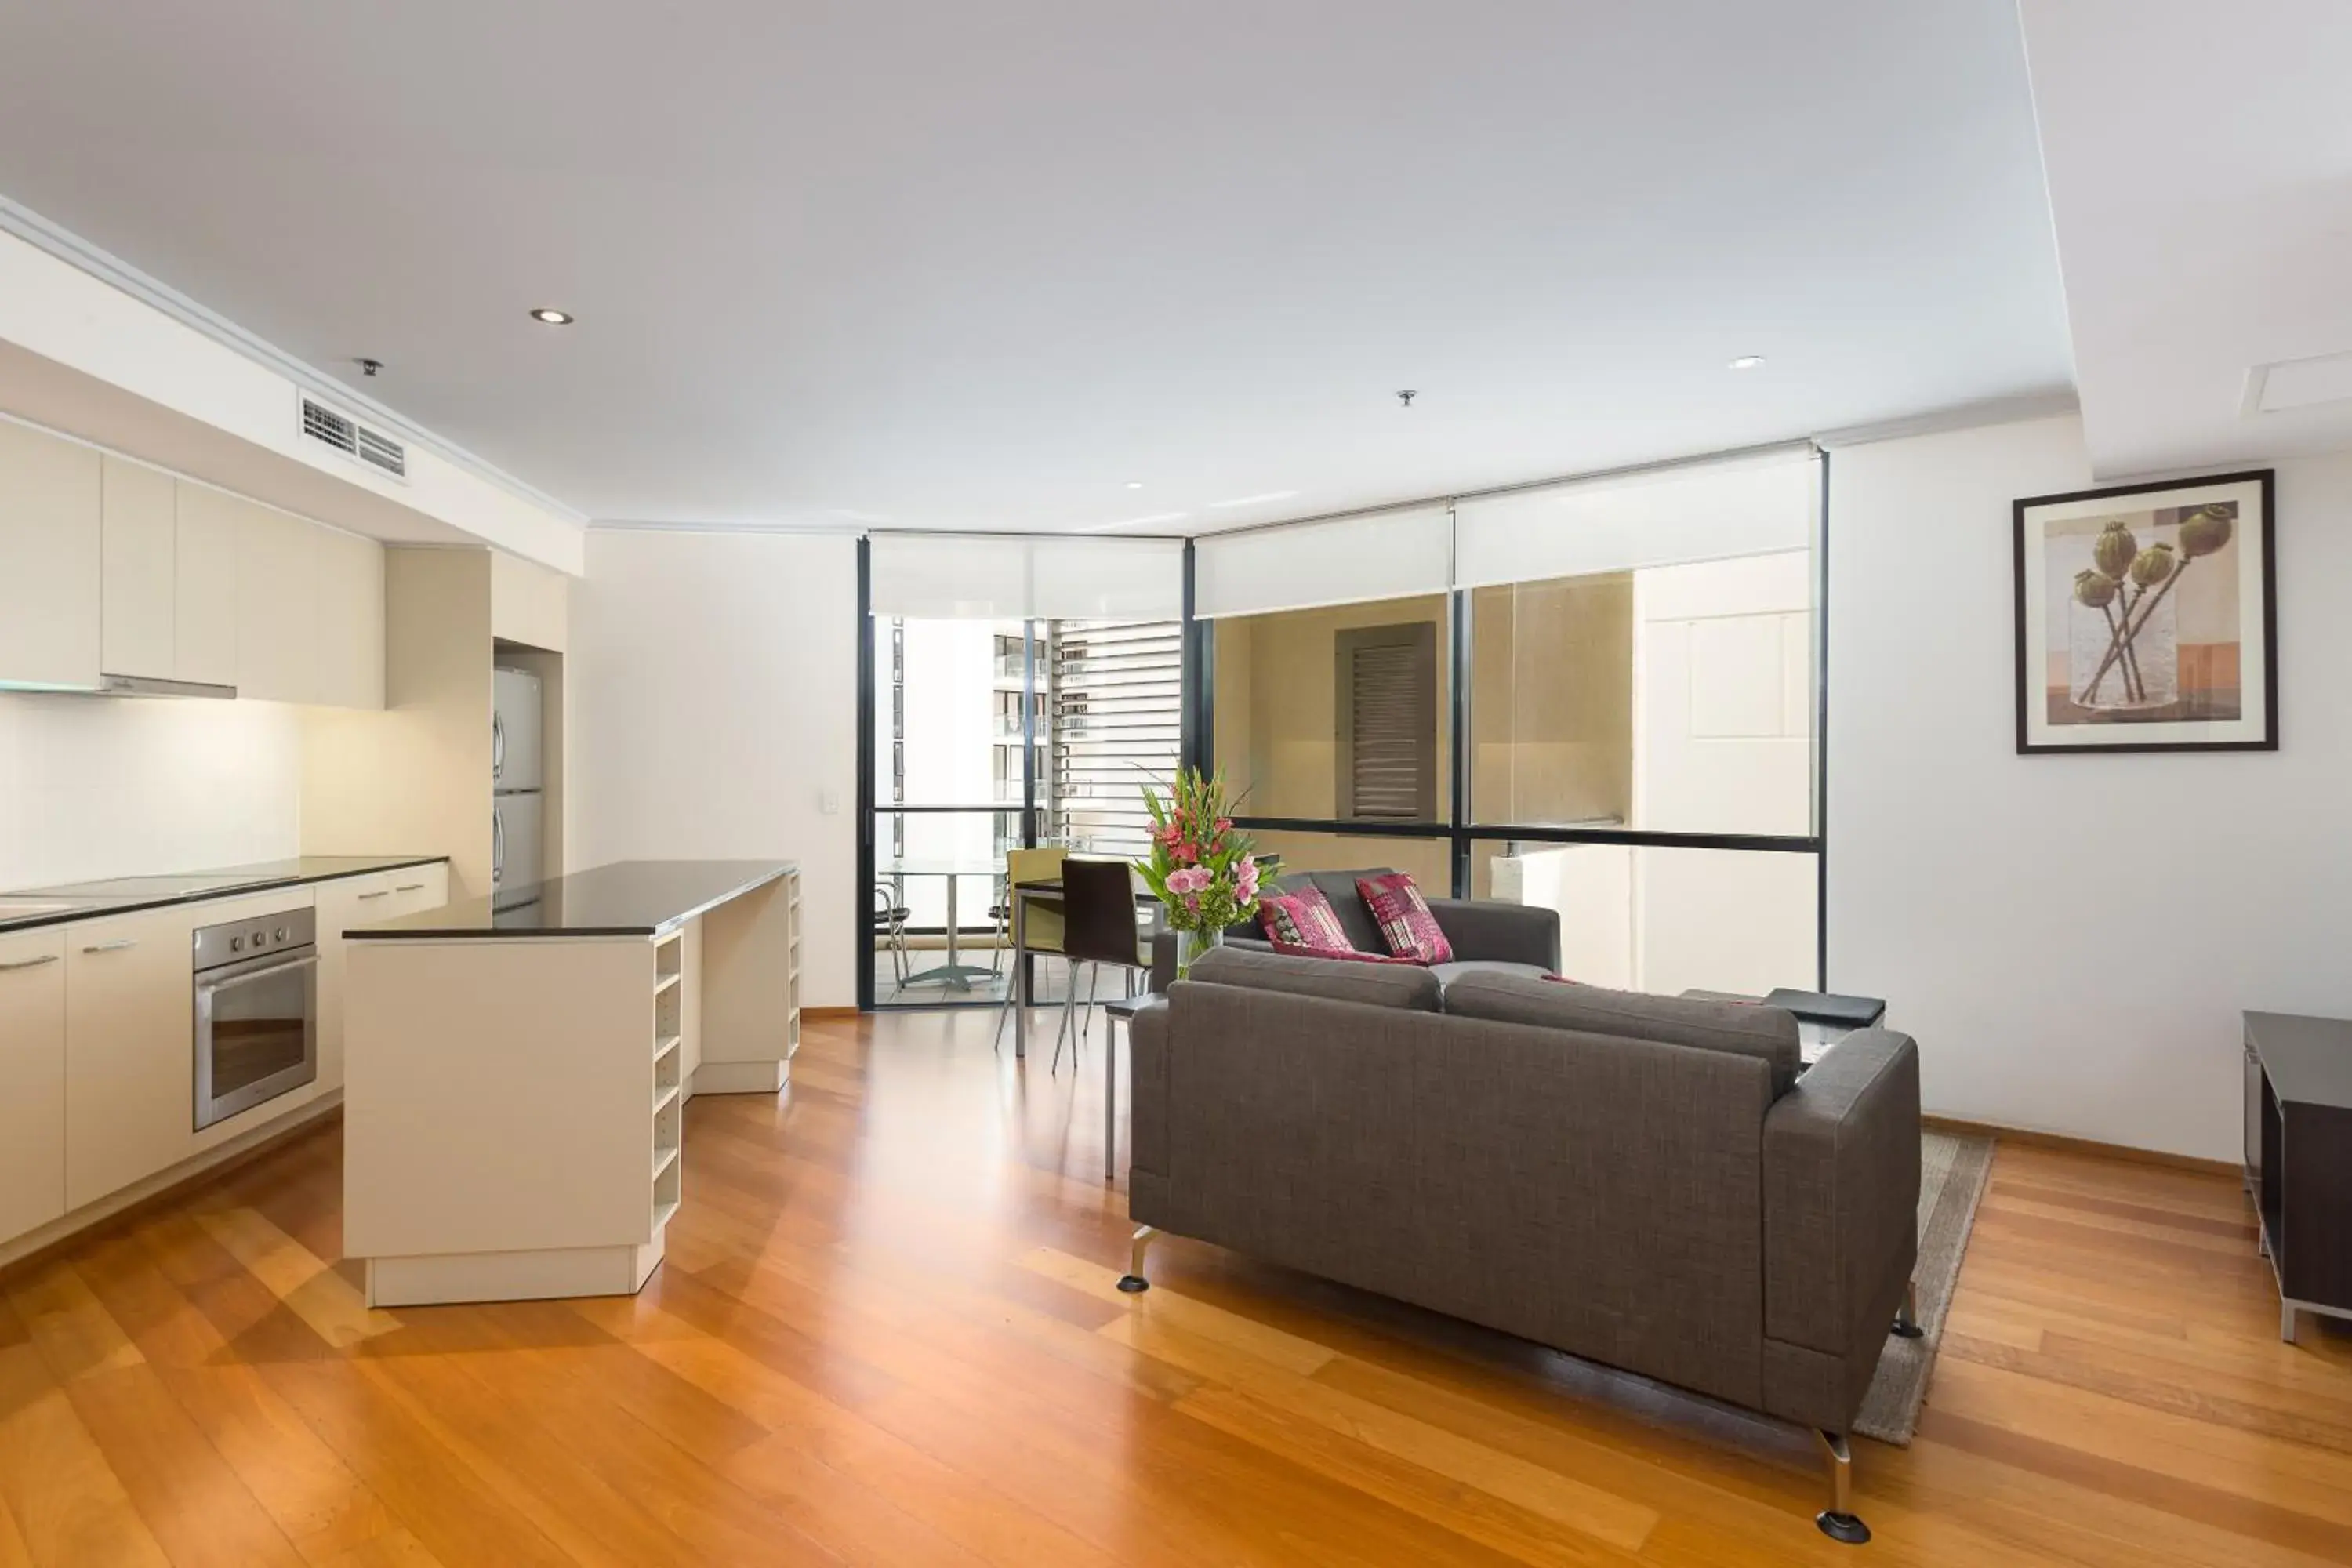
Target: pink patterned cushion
(1406, 924)
(1303, 922)
(1344, 955)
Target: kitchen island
(518, 1067)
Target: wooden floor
(887, 1333)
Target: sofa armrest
(1842, 1195)
(1491, 929)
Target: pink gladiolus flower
(1190, 879)
(1245, 883)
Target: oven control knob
(281, 933)
(237, 944)
(260, 938)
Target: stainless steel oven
(256, 1031)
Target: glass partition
(1338, 713)
(1665, 919)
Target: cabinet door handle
(29, 963)
(410, 888)
(117, 945)
(379, 893)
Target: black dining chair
(1099, 927)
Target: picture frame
(2148, 618)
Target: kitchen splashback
(94, 787)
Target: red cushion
(1405, 922)
(1305, 920)
(1344, 955)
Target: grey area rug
(1952, 1172)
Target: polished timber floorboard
(887, 1333)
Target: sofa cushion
(1302, 919)
(1406, 925)
(1377, 985)
(1734, 1026)
(1447, 974)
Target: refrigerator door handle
(498, 844)
(498, 746)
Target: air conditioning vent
(353, 439)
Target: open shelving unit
(668, 1076)
(793, 975)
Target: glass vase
(2150, 678)
(1192, 945)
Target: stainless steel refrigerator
(514, 825)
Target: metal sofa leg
(1838, 1520)
(1132, 1281)
(1907, 1320)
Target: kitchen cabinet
(139, 579)
(349, 620)
(32, 1079)
(130, 1063)
(276, 605)
(361, 900)
(49, 559)
(205, 540)
(530, 603)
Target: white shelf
(666, 1044)
(663, 1097)
(664, 1159)
(663, 1212)
(666, 981)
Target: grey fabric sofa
(1486, 935)
(1651, 1182)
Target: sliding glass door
(1018, 695)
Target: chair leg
(1086, 1020)
(1069, 1020)
(1132, 1281)
(1838, 1522)
(1906, 1317)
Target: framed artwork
(2147, 619)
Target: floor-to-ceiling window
(1601, 697)
(1020, 694)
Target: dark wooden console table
(2299, 1158)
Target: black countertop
(628, 898)
(2308, 1060)
(27, 907)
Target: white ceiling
(2201, 170)
(986, 264)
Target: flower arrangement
(1200, 868)
(2119, 565)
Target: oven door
(257, 1032)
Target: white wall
(113, 788)
(714, 702)
(2071, 937)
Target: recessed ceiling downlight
(549, 316)
(1748, 361)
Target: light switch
(829, 802)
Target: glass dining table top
(917, 866)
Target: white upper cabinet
(276, 605)
(49, 559)
(204, 599)
(350, 621)
(140, 549)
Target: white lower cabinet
(355, 901)
(130, 1062)
(32, 1079)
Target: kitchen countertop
(26, 908)
(628, 898)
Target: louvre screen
(1114, 696)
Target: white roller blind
(937, 577)
(1381, 555)
(1707, 511)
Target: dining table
(954, 972)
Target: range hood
(156, 686)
